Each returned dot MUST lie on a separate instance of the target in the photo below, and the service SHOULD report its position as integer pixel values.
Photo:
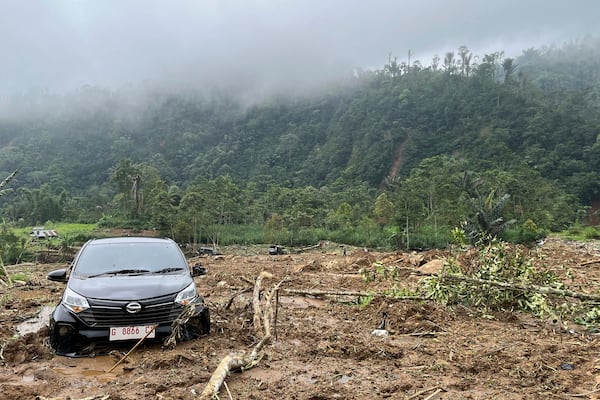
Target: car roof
(129, 239)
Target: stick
(230, 301)
(583, 264)
(432, 395)
(228, 392)
(98, 397)
(414, 396)
(2, 350)
(583, 394)
(133, 348)
(276, 313)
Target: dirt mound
(31, 347)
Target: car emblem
(133, 308)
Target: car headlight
(186, 296)
(74, 301)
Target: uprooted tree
(501, 277)
(495, 276)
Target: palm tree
(5, 182)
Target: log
(258, 327)
(302, 249)
(229, 363)
(583, 264)
(525, 288)
(317, 292)
(239, 360)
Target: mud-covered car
(119, 289)
(208, 251)
(275, 250)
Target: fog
(259, 46)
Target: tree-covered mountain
(448, 143)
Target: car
(209, 251)
(122, 289)
(275, 250)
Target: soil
(324, 346)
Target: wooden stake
(133, 348)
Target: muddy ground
(324, 347)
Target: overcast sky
(64, 44)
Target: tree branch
(525, 288)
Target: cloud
(260, 44)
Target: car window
(98, 258)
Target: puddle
(96, 368)
(36, 323)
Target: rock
(432, 267)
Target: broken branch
(525, 288)
(583, 264)
(239, 360)
(316, 292)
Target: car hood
(128, 287)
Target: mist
(258, 47)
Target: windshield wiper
(167, 270)
(120, 272)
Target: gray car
(125, 288)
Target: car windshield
(125, 258)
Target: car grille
(110, 313)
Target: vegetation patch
(502, 277)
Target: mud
(324, 346)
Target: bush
(13, 248)
(525, 234)
(591, 233)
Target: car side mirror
(59, 275)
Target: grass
(581, 233)
(19, 277)
(63, 228)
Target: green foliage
(20, 277)
(458, 237)
(591, 232)
(245, 234)
(411, 149)
(527, 233)
(590, 318)
(378, 271)
(497, 262)
(365, 301)
(13, 248)
(580, 232)
(5, 182)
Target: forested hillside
(398, 156)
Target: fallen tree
(240, 360)
(521, 287)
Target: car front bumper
(70, 334)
